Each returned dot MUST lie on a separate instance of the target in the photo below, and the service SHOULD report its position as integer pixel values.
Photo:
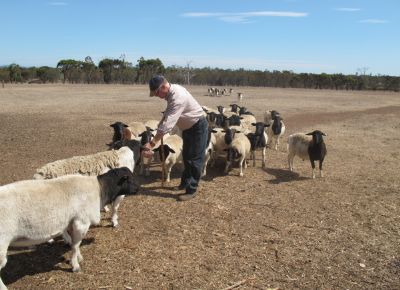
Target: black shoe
(187, 196)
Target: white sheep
(309, 146)
(239, 150)
(93, 164)
(172, 150)
(34, 211)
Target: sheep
(223, 139)
(275, 131)
(93, 164)
(240, 96)
(239, 150)
(258, 139)
(172, 149)
(268, 116)
(246, 123)
(134, 145)
(244, 111)
(121, 132)
(234, 108)
(306, 147)
(146, 137)
(33, 211)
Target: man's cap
(155, 84)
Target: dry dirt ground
(270, 229)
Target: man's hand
(147, 150)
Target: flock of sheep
(65, 196)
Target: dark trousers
(194, 146)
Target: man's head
(158, 86)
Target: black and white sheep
(307, 146)
(94, 164)
(34, 211)
(275, 131)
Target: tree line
(120, 71)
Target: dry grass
(270, 229)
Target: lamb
(275, 131)
(172, 149)
(239, 150)
(94, 164)
(33, 211)
(312, 148)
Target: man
(185, 112)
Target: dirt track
(270, 229)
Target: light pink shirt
(182, 110)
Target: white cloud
(243, 17)
(348, 9)
(58, 3)
(373, 21)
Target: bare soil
(271, 228)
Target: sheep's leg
(313, 168)
(276, 143)
(321, 174)
(168, 168)
(263, 157)
(3, 262)
(79, 230)
(242, 159)
(206, 159)
(290, 161)
(115, 206)
(253, 156)
(228, 164)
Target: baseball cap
(155, 83)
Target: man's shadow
(43, 258)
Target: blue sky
(332, 36)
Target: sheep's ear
(156, 149)
(309, 133)
(171, 150)
(125, 125)
(223, 131)
(239, 131)
(323, 134)
(267, 125)
(240, 118)
(253, 124)
(214, 131)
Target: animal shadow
(44, 258)
(283, 175)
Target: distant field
(270, 229)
